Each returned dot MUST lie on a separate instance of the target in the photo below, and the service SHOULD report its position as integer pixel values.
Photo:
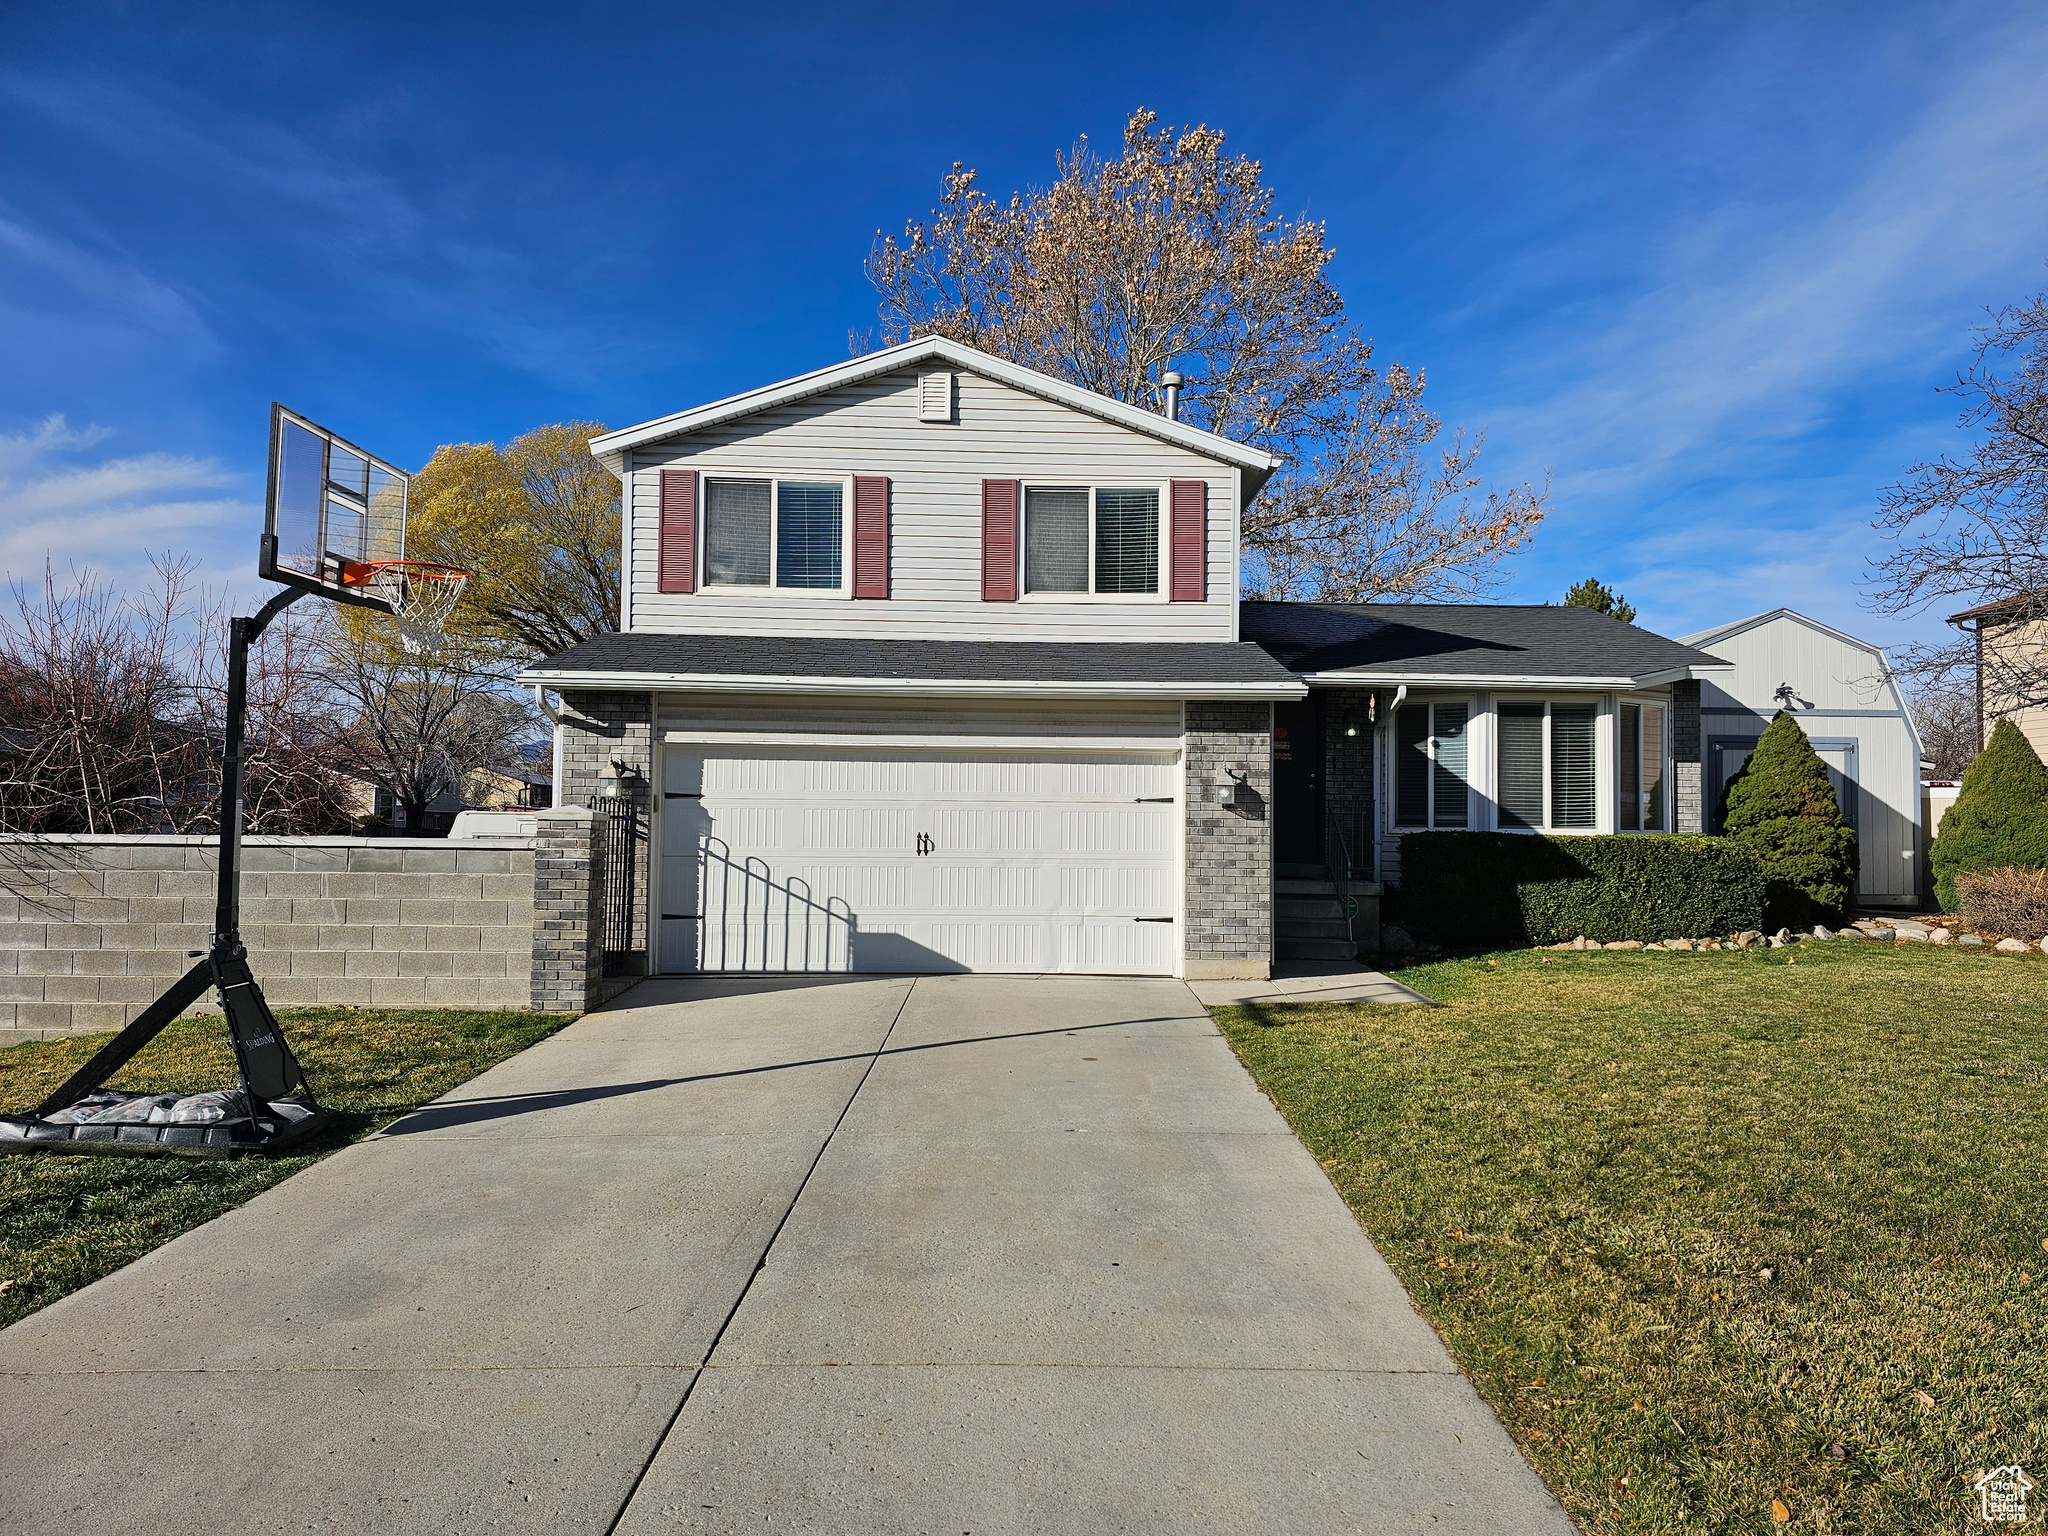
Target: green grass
(1710, 1230)
(65, 1221)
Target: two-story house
(930, 662)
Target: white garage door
(790, 859)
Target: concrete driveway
(973, 1254)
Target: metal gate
(617, 841)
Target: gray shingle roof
(964, 661)
(1405, 640)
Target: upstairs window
(1430, 788)
(1091, 540)
(775, 533)
(1547, 776)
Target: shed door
(829, 859)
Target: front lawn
(1733, 1241)
(66, 1221)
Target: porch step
(1289, 909)
(1323, 888)
(1313, 928)
(1316, 949)
(1302, 872)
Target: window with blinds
(1126, 541)
(1653, 768)
(1102, 540)
(780, 533)
(738, 518)
(1430, 778)
(808, 528)
(1546, 774)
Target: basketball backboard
(332, 510)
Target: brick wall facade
(599, 725)
(93, 929)
(568, 910)
(1229, 849)
(1687, 759)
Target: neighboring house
(930, 662)
(2012, 645)
(509, 788)
(1842, 692)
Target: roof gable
(612, 447)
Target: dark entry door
(1298, 782)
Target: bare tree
(1973, 531)
(96, 720)
(419, 724)
(1171, 257)
(1945, 715)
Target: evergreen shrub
(2000, 818)
(1513, 888)
(1782, 808)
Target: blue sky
(1703, 264)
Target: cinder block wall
(92, 929)
(1229, 850)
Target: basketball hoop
(419, 593)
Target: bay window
(775, 533)
(1430, 778)
(1091, 540)
(1547, 776)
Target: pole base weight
(272, 1133)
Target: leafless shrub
(2008, 901)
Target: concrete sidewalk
(971, 1254)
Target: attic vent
(935, 397)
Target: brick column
(597, 726)
(1229, 849)
(568, 911)
(1688, 761)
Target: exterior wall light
(612, 786)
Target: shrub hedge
(2013, 902)
(2000, 818)
(1512, 888)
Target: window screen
(736, 523)
(1127, 541)
(1411, 766)
(1653, 768)
(807, 528)
(1571, 765)
(1521, 765)
(1628, 800)
(1056, 539)
(1450, 765)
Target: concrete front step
(1313, 928)
(1316, 949)
(1306, 906)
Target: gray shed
(1844, 696)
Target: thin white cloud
(109, 515)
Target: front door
(1298, 782)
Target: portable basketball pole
(269, 1071)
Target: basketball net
(421, 596)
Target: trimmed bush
(2000, 818)
(1782, 808)
(1512, 888)
(2013, 902)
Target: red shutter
(870, 535)
(1190, 541)
(678, 562)
(999, 541)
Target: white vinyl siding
(1841, 692)
(935, 476)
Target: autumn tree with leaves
(1172, 257)
(537, 523)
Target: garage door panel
(803, 859)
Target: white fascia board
(612, 447)
(1499, 679)
(916, 687)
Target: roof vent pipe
(1171, 383)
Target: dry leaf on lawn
(1779, 1512)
